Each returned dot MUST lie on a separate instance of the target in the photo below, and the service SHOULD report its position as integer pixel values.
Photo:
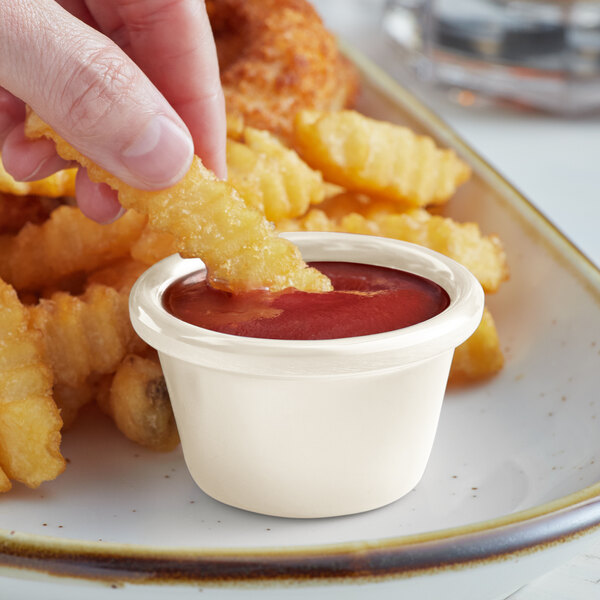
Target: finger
(96, 200)
(79, 10)
(92, 94)
(12, 111)
(172, 42)
(28, 160)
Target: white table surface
(553, 161)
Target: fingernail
(160, 155)
(45, 168)
(112, 218)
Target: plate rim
(558, 521)
(523, 532)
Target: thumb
(92, 94)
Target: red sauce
(366, 300)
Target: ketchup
(366, 299)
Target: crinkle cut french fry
(378, 158)
(120, 275)
(480, 356)
(139, 404)
(209, 220)
(482, 255)
(343, 203)
(70, 399)
(313, 220)
(271, 177)
(85, 335)
(30, 422)
(153, 246)
(68, 242)
(5, 484)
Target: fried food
(56, 185)
(209, 220)
(153, 246)
(17, 211)
(235, 127)
(463, 242)
(271, 177)
(313, 220)
(139, 404)
(30, 422)
(70, 399)
(276, 57)
(378, 158)
(68, 242)
(120, 275)
(85, 335)
(339, 205)
(480, 356)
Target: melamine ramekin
(310, 428)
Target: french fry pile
(65, 335)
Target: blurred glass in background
(539, 54)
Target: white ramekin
(310, 428)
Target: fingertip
(97, 201)
(208, 126)
(30, 160)
(221, 172)
(217, 163)
(159, 155)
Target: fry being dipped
(209, 220)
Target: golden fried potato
(480, 356)
(235, 126)
(272, 178)
(482, 255)
(139, 404)
(68, 242)
(5, 484)
(30, 422)
(85, 335)
(209, 220)
(120, 275)
(153, 246)
(313, 220)
(56, 185)
(463, 242)
(70, 399)
(337, 206)
(378, 158)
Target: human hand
(138, 100)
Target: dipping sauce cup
(310, 428)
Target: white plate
(510, 492)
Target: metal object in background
(544, 55)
